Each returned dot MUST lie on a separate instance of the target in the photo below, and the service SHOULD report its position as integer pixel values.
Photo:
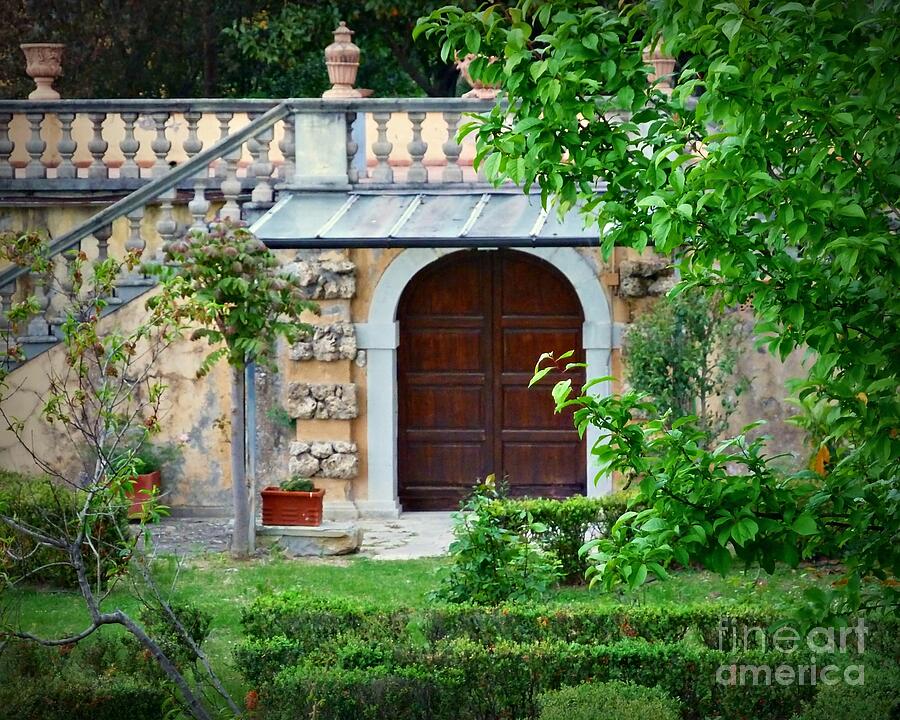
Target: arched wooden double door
(472, 326)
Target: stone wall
(336, 341)
(325, 401)
(338, 460)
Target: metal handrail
(140, 197)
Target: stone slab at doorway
(323, 540)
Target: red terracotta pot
(144, 486)
(291, 507)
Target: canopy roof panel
(465, 219)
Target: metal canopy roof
(377, 220)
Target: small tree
(771, 170)
(683, 353)
(229, 286)
(102, 397)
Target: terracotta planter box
(140, 492)
(291, 507)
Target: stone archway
(380, 338)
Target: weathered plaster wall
(343, 283)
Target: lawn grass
(222, 586)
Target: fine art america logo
(818, 648)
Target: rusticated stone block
(336, 341)
(330, 276)
(328, 401)
(642, 278)
(338, 460)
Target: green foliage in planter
(95, 680)
(608, 701)
(39, 503)
(568, 523)
(492, 561)
(683, 352)
(298, 484)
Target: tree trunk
(240, 538)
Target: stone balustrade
(116, 145)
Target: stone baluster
(6, 148)
(382, 149)
(199, 206)
(35, 147)
(352, 148)
(165, 224)
(262, 167)
(66, 147)
(224, 119)
(38, 329)
(97, 146)
(452, 171)
(230, 185)
(192, 143)
(135, 244)
(6, 299)
(129, 146)
(417, 147)
(161, 144)
(66, 288)
(286, 145)
(102, 236)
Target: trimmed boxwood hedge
(462, 680)
(346, 659)
(568, 522)
(612, 700)
(98, 679)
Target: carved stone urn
(479, 90)
(663, 67)
(342, 61)
(43, 65)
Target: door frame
(379, 337)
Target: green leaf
(805, 525)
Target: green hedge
(608, 701)
(461, 680)
(97, 680)
(284, 628)
(568, 522)
(38, 503)
(878, 698)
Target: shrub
(608, 701)
(96, 680)
(494, 561)
(160, 627)
(462, 679)
(878, 698)
(568, 523)
(39, 503)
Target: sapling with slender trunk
(231, 289)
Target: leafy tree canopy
(771, 171)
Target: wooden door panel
(521, 412)
(445, 349)
(523, 346)
(444, 407)
(549, 469)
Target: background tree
(105, 398)
(683, 352)
(772, 170)
(219, 48)
(229, 287)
